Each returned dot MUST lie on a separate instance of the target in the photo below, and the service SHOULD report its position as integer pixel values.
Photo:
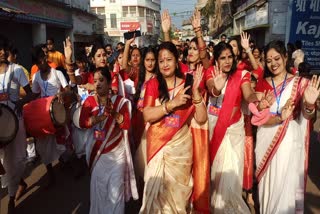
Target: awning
(11, 13)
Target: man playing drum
(47, 83)
(12, 155)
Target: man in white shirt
(13, 155)
(46, 83)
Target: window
(100, 10)
(112, 1)
(132, 10)
(125, 11)
(141, 11)
(113, 20)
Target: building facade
(121, 16)
(30, 22)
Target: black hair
(37, 54)
(223, 35)
(142, 72)
(94, 50)
(51, 39)
(279, 47)
(221, 46)
(304, 69)
(104, 72)
(239, 46)
(298, 44)
(163, 88)
(5, 45)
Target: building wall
(21, 36)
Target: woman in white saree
(282, 140)
(107, 150)
(227, 86)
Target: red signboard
(129, 25)
(149, 27)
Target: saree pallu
(112, 180)
(227, 172)
(282, 155)
(176, 156)
(168, 177)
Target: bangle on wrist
(199, 36)
(309, 111)
(167, 107)
(248, 50)
(195, 101)
(198, 104)
(164, 108)
(212, 92)
(202, 48)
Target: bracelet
(202, 48)
(248, 50)
(199, 36)
(198, 104)
(212, 92)
(197, 28)
(164, 108)
(196, 101)
(167, 108)
(309, 111)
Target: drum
(9, 125)
(42, 116)
(75, 114)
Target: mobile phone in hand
(129, 35)
(188, 82)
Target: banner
(129, 26)
(305, 26)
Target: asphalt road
(71, 195)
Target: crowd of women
(175, 144)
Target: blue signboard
(305, 26)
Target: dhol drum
(75, 114)
(42, 116)
(9, 125)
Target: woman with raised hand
(108, 150)
(228, 86)
(283, 138)
(177, 131)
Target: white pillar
(38, 34)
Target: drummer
(46, 83)
(12, 156)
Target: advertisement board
(305, 26)
(129, 26)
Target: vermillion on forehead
(165, 54)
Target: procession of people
(175, 130)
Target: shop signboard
(305, 26)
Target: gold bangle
(199, 36)
(167, 107)
(196, 100)
(198, 104)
